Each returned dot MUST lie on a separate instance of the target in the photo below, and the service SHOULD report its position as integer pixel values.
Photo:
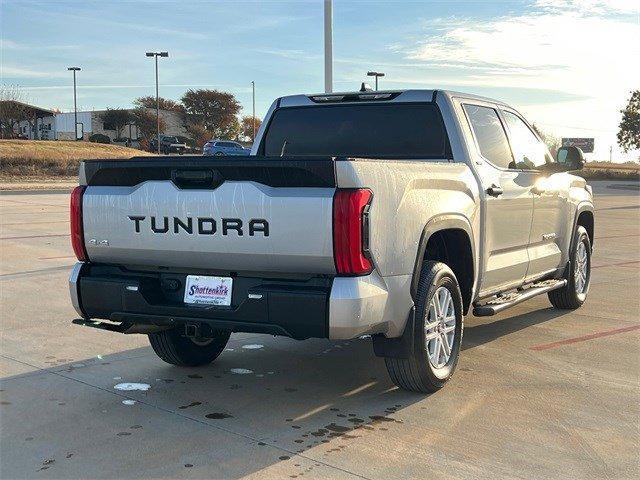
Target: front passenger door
(550, 197)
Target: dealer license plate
(208, 290)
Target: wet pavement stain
(337, 428)
(4, 402)
(195, 375)
(290, 390)
(284, 457)
(123, 434)
(192, 404)
(381, 418)
(188, 465)
(218, 416)
(47, 463)
(135, 427)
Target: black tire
(417, 373)
(176, 349)
(568, 297)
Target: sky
(568, 66)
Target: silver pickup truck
(391, 214)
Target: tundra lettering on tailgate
(201, 225)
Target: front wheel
(176, 349)
(437, 333)
(574, 293)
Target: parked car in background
(168, 144)
(224, 147)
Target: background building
(43, 124)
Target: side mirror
(570, 158)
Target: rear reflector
(351, 231)
(77, 233)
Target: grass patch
(611, 171)
(43, 159)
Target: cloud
(8, 71)
(291, 54)
(556, 45)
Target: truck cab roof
(376, 96)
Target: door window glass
(490, 135)
(529, 152)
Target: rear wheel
(437, 334)
(578, 277)
(176, 349)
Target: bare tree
(13, 110)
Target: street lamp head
(73, 69)
(164, 54)
(375, 74)
(149, 54)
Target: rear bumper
(314, 307)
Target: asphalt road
(538, 393)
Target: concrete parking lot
(538, 393)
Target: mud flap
(400, 347)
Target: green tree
(214, 111)
(629, 130)
(165, 103)
(116, 118)
(246, 124)
(145, 120)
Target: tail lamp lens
(77, 233)
(351, 231)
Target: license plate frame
(206, 290)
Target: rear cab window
(490, 135)
(391, 130)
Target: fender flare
(444, 221)
(584, 206)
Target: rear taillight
(77, 233)
(351, 231)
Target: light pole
(253, 118)
(328, 46)
(156, 55)
(375, 74)
(75, 103)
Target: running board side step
(501, 303)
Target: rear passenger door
(508, 202)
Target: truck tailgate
(252, 218)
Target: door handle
(495, 190)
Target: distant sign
(584, 144)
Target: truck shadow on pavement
(265, 403)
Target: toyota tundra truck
(386, 214)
